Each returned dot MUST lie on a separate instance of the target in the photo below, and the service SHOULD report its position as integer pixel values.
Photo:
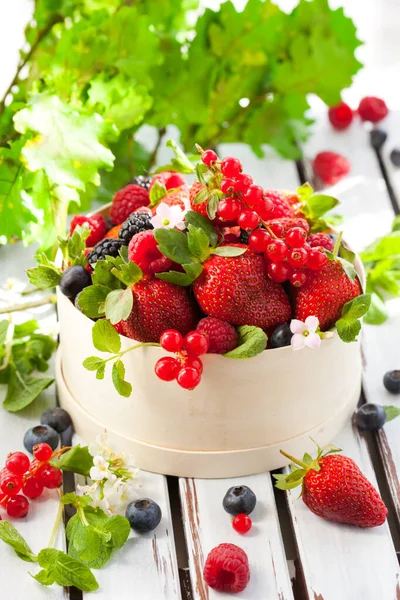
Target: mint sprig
(349, 324)
(251, 341)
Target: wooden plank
(207, 525)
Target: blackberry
(244, 236)
(143, 181)
(134, 224)
(107, 247)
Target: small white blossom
(305, 334)
(100, 469)
(168, 217)
(100, 447)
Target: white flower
(100, 469)
(168, 216)
(100, 447)
(305, 334)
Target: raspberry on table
(321, 239)
(330, 167)
(126, 201)
(143, 251)
(372, 109)
(134, 224)
(227, 569)
(107, 247)
(340, 116)
(97, 224)
(222, 336)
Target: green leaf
(105, 338)
(377, 312)
(102, 275)
(76, 501)
(119, 529)
(201, 222)
(102, 544)
(23, 390)
(128, 273)
(193, 269)
(229, 251)
(77, 460)
(385, 247)
(304, 192)
(201, 196)
(124, 388)
(174, 245)
(176, 278)
(346, 253)
(291, 481)
(10, 536)
(391, 412)
(349, 325)
(198, 243)
(118, 305)
(91, 300)
(212, 205)
(348, 329)
(25, 329)
(64, 570)
(44, 277)
(396, 223)
(3, 331)
(93, 363)
(252, 341)
(179, 164)
(319, 204)
(157, 192)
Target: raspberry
(221, 335)
(169, 179)
(282, 207)
(134, 224)
(330, 167)
(143, 251)
(340, 116)
(126, 201)
(321, 239)
(97, 225)
(107, 247)
(227, 569)
(372, 109)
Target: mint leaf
(118, 305)
(92, 363)
(100, 552)
(25, 329)
(44, 277)
(105, 338)
(23, 389)
(199, 221)
(228, 251)
(251, 341)
(124, 388)
(377, 312)
(174, 245)
(119, 529)
(396, 223)
(349, 325)
(10, 535)
(391, 412)
(76, 501)
(77, 460)
(87, 542)
(385, 247)
(64, 570)
(198, 243)
(91, 300)
(157, 192)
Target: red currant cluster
(186, 367)
(30, 478)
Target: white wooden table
(293, 554)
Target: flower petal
(312, 323)
(298, 341)
(297, 326)
(313, 340)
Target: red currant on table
(196, 343)
(243, 182)
(208, 157)
(296, 237)
(17, 507)
(229, 209)
(230, 166)
(167, 368)
(259, 240)
(17, 463)
(49, 476)
(298, 278)
(242, 523)
(189, 378)
(316, 259)
(279, 271)
(10, 483)
(171, 340)
(253, 195)
(248, 219)
(265, 208)
(195, 362)
(32, 487)
(276, 250)
(297, 257)
(42, 452)
(227, 186)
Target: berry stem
(119, 354)
(295, 460)
(56, 523)
(50, 299)
(337, 244)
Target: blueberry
(377, 138)
(73, 280)
(57, 418)
(41, 434)
(239, 499)
(281, 336)
(395, 157)
(143, 515)
(370, 417)
(391, 381)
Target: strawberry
(335, 489)
(194, 190)
(177, 197)
(236, 289)
(97, 226)
(157, 306)
(169, 179)
(324, 294)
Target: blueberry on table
(377, 138)
(73, 280)
(57, 418)
(281, 336)
(41, 434)
(391, 381)
(143, 515)
(370, 417)
(395, 157)
(239, 499)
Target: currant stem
(294, 460)
(57, 522)
(51, 299)
(119, 354)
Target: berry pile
(186, 368)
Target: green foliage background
(98, 70)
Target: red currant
(42, 452)
(196, 343)
(229, 209)
(242, 523)
(171, 340)
(253, 195)
(208, 157)
(189, 378)
(227, 186)
(259, 240)
(248, 219)
(17, 507)
(276, 228)
(195, 362)
(316, 259)
(296, 237)
(49, 476)
(10, 483)
(32, 487)
(230, 166)
(265, 208)
(278, 271)
(298, 278)
(17, 463)
(277, 250)
(167, 368)
(243, 182)
(298, 257)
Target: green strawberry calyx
(296, 476)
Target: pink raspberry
(126, 201)
(282, 206)
(372, 109)
(321, 239)
(227, 569)
(340, 116)
(221, 335)
(330, 167)
(143, 251)
(97, 225)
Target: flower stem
(51, 299)
(294, 460)
(57, 522)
